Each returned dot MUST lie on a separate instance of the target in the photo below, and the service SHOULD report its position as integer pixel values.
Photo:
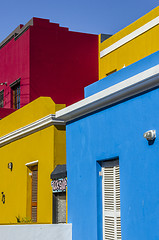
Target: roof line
(17, 32)
(131, 86)
(33, 127)
(130, 36)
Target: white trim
(30, 128)
(32, 163)
(110, 176)
(130, 36)
(141, 82)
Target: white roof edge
(154, 22)
(136, 84)
(30, 128)
(31, 163)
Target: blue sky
(92, 16)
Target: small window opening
(16, 96)
(2, 99)
(107, 74)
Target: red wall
(5, 112)
(51, 61)
(62, 62)
(14, 64)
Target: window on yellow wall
(33, 189)
(34, 193)
(107, 74)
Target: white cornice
(130, 36)
(32, 163)
(139, 83)
(30, 128)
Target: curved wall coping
(30, 128)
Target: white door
(111, 200)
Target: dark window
(2, 99)
(111, 72)
(59, 207)
(16, 96)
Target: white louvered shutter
(111, 201)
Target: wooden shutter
(111, 201)
(13, 99)
(16, 96)
(34, 195)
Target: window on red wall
(15, 95)
(2, 99)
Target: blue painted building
(105, 137)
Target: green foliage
(23, 220)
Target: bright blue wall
(115, 132)
(122, 74)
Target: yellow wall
(47, 146)
(138, 48)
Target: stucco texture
(116, 132)
(46, 145)
(134, 50)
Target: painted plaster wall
(62, 62)
(133, 51)
(5, 112)
(15, 64)
(50, 61)
(32, 112)
(116, 131)
(42, 146)
(123, 74)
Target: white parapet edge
(130, 37)
(32, 163)
(136, 84)
(30, 128)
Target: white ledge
(30, 128)
(130, 36)
(32, 163)
(137, 84)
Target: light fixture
(5, 83)
(150, 135)
(10, 165)
(3, 197)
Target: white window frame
(112, 213)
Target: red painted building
(43, 59)
(5, 112)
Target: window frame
(15, 94)
(2, 92)
(114, 214)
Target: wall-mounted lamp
(3, 197)
(5, 83)
(10, 165)
(150, 135)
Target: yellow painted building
(32, 143)
(129, 45)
